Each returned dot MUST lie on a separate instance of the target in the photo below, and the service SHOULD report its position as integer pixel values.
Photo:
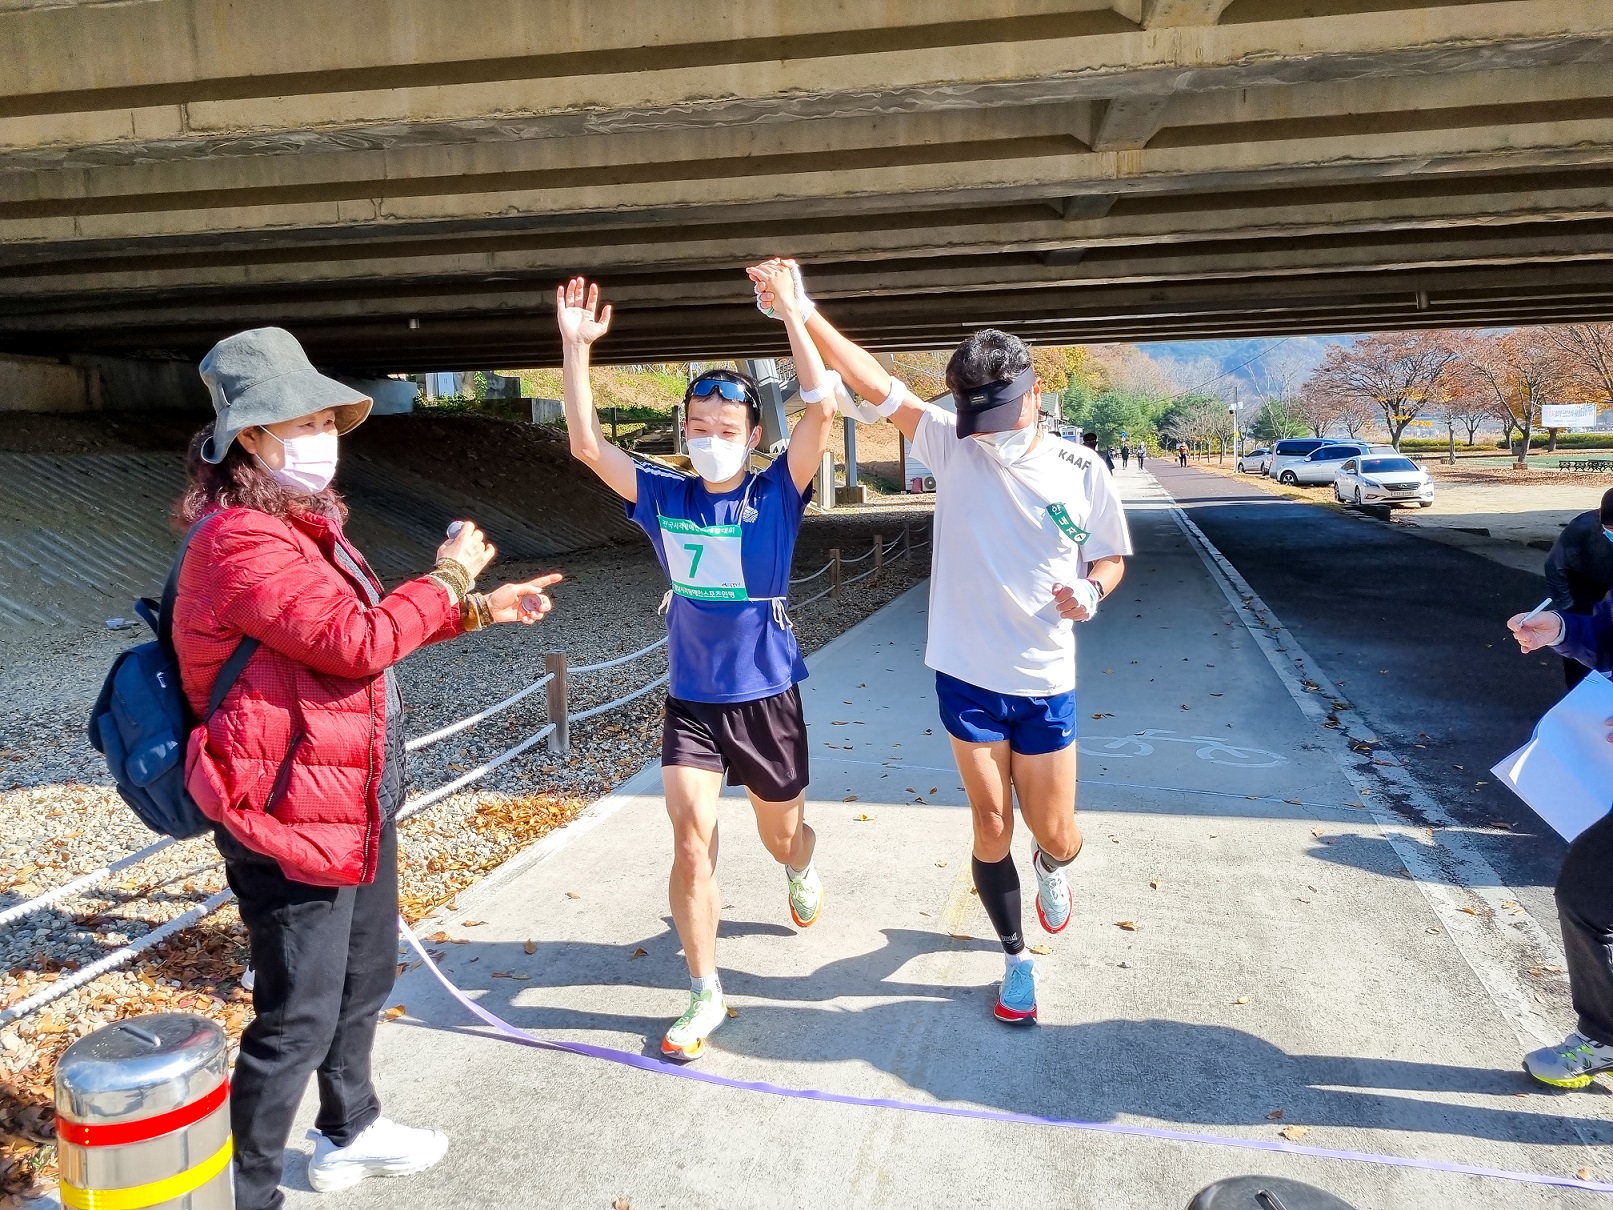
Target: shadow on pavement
(941, 1041)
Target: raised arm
(812, 432)
(857, 367)
(576, 303)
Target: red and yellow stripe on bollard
(143, 1117)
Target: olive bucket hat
(262, 377)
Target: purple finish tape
(661, 1067)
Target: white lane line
(1500, 940)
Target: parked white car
(1320, 465)
(1383, 479)
(1253, 462)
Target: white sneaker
(1052, 895)
(383, 1148)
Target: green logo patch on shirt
(1061, 517)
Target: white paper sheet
(1565, 771)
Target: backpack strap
(230, 673)
(233, 667)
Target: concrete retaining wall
(87, 383)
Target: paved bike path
(1282, 971)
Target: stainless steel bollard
(143, 1116)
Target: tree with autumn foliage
(1399, 373)
(1517, 373)
(1587, 354)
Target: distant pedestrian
(1579, 570)
(1125, 455)
(1181, 453)
(1142, 447)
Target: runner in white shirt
(1029, 537)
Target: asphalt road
(1414, 633)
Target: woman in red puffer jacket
(302, 765)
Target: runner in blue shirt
(726, 538)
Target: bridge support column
(86, 383)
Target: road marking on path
(1441, 863)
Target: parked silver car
(1320, 465)
(1253, 462)
(1383, 479)
(1291, 450)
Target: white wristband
(823, 390)
(893, 399)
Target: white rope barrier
(621, 659)
(441, 792)
(814, 575)
(867, 554)
(29, 907)
(115, 959)
(622, 701)
(414, 745)
(864, 576)
(809, 600)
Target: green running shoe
(686, 1039)
(806, 895)
(1569, 1064)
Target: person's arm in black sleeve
(1562, 596)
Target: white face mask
(1008, 448)
(310, 462)
(716, 459)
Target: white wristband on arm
(893, 399)
(831, 381)
(1086, 593)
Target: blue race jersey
(725, 638)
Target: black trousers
(1585, 908)
(325, 959)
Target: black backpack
(141, 721)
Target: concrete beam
(1175, 14)
(1127, 123)
(1018, 60)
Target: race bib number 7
(705, 563)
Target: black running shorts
(761, 745)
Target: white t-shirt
(1003, 537)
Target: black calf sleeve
(998, 884)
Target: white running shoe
(1052, 895)
(383, 1148)
(806, 895)
(686, 1039)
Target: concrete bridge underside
(402, 182)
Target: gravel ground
(59, 818)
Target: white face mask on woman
(309, 462)
(717, 459)
(1008, 448)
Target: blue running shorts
(1031, 725)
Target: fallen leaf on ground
(863, 818)
(396, 1011)
(639, 952)
(849, 798)
(1129, 925)
(1157, 883)
(1583, 1174)
(1241, 1000)
(1040, 949)
(531, 947)
(1294, 1133)
(961, 937)
(439, 936)
(731, 1010)
(940, 865)
(621, 1203)
(1276, 1115)
(933, 789)
(573, 895)
(472, 924)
